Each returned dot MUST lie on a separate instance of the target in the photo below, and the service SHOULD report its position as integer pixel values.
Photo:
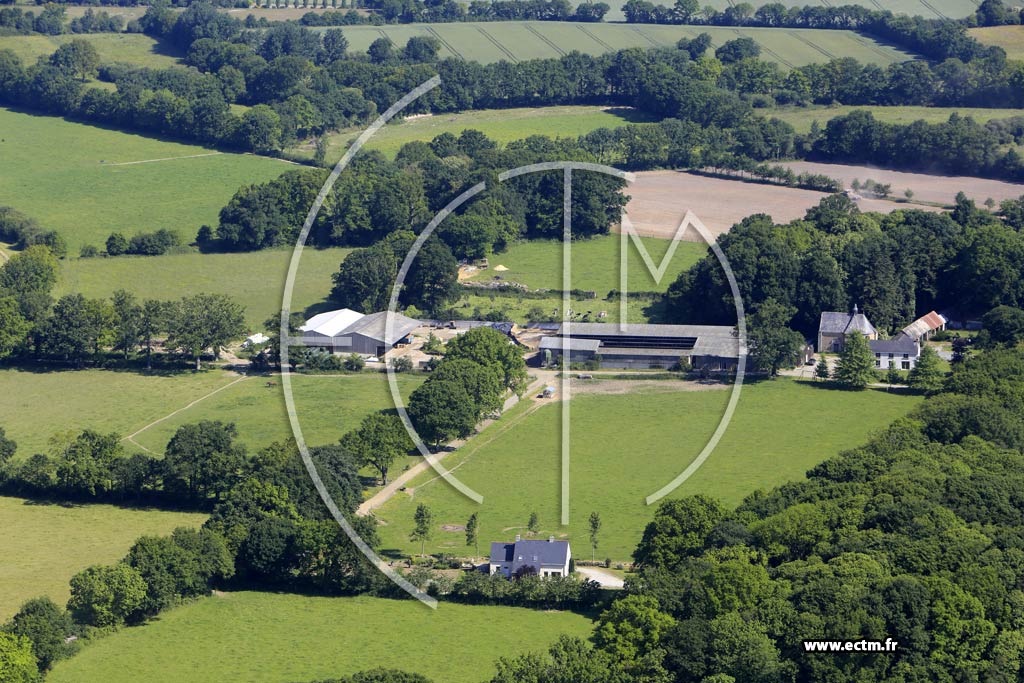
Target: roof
(642, 330)
(928, 322)
(530, 552)
(332, 323)
(575, 344)
(835, 322)
(373, 326)
(898, 344)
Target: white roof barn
(330, 323)
(348, 331)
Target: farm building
(900, 352)
(834, 326)
(545, 558)
(644, 346)
(925, 327)
(348, 331)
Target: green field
(930, 10)
(515, 41)
(624, 448)
(45, 545)
(125, 402)
(64, 175)
(253, 279)
(501, 125)
(1010, 38)
(131, 48)
(595, 264)
(260, 637)
(801, 118)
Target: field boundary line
(498, 45)
(131, 437)
(811, 45)
(153, 161)
(595, 38)
(451, 48)
(537, 33)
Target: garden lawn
(801, 118)
(64, 175)
(626, 447)
(253, 279)
(44, 544)
(259, 637)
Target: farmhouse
(545, 558)
(348, 331)
(834, 326)
(643, 346)
(900, 352)
(925, 327)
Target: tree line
(895, 267)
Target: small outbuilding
(925, 327)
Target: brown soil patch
(453, 527)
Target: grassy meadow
(126, 402)
(256, 637)
(131, 48)
(627, 446)
(67, 176)
(801, 118)
(46, 544)
(253, 279)
(1010, 38)
(501, 125)
(515, 41)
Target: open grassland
(258, 637)
(501, 125)
(127, 402)
(78, 179)
(627, 446)
(254, 279)
(1010, 38)
(44, 545)
(516, 41)
(801, 118)
(131, 48)
(929, 9)
(594, 264)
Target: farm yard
(801, 118)
(934, 189)
(500, 125)
(253, 279)
(76, 182)
(660, 199)
(625, 449)
(131, 48)
(46, 544)
(1010, 38)
(250, 637)
(517, 41)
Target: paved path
(606, 579)
(385, 494)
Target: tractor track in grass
(594, 37)
(451, 48)
(811, 45)
(544, 38)
(652, 41)
(933, 9)
(767, 49)
(494, 41)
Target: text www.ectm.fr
(888, 645)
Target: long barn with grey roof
(644, 346)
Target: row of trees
(895, 267)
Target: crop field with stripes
(516, 41)
(929, 9)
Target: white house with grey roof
(900, 352)
(644, 346)
(834, 326)
(545, 558)
(347, 331)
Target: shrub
(354, 362)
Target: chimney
(855, 309)
(551, 539)
(518, 538)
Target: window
(890, 356)
(878, 355)
(906, 355)
(906, 365)
(878, 363)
